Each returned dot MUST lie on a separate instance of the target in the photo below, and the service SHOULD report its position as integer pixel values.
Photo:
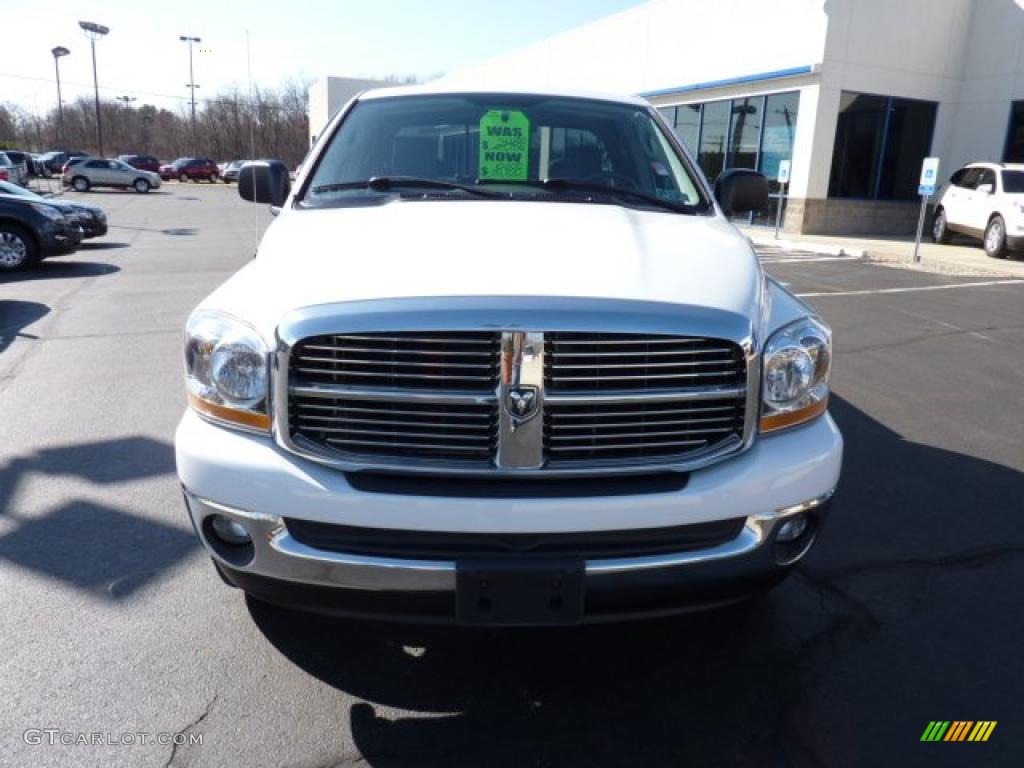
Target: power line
(143, 93)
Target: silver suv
(98, 172)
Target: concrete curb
(807, 246)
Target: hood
(491, 248)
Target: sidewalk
(960, 257)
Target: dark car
(33, 168)
(142, 162)
(190, 168)
(53, 161)
(91, 219)
(31, 230)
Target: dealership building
(855, 93)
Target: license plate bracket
(519, 592)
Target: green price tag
(504, 145)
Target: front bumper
(57, 238)
(249, 479)
(280, 569)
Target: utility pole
(126, 100)
(94, 32)
(192, 85)
(57, 52)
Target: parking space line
(912, 289)
(804, 259)
(944, 324)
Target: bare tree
(275, 118)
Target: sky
(143, 57)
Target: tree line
(233, 125)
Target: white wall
(329, 94)
(993, 77)
(666, 44)
(908, 48)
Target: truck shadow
(16, 316)
(784, 679)
(50, 269)
(107, 552)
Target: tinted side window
(96, 164)
(987, 176)
(957, 179)
(970, 178)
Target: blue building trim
(778, 73)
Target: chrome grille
(617, 361)
(379, 395)
(443, 400)
(405, 429)
(460, 361)
(640, 429)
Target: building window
(880, 143)
(755, 132)
(1014, 152)
(687, 124)
(713, 136)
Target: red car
(142, 162)
(194, 168)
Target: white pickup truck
(501, 359)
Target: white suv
(502, 359)
(984, 200)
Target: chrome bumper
(278, 555)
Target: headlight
(226, 370)
(54, 214)
(794, 389)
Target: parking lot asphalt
(112, 620)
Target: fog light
(792, 529)
(229, 531)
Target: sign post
(925, 188)
(783, 180)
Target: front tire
(940, 230)
(17, 248)
(995, 238)
(183, 178)
(80, 184)
(141, 186)
(214, 178)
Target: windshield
(1013, 182)
(509, 145)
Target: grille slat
(393, 363)
(648, 353)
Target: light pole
(57, 52)
(94, 32)
(126, 100)
(192, 85)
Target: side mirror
(740, 190)
(986, 189)
(264, 181)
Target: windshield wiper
(387, 183)
(605, 189)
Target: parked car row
(34, 227)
